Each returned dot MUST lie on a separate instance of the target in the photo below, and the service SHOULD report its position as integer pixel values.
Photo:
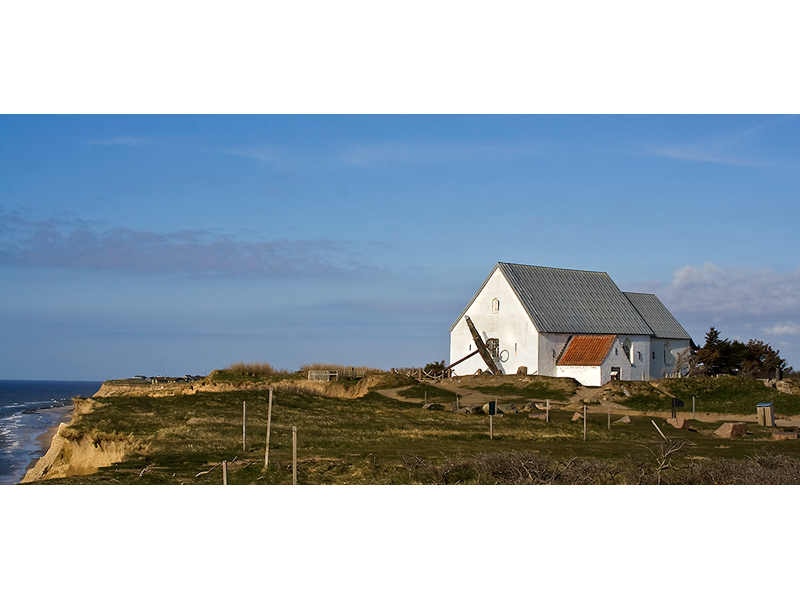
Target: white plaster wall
(616, 358)
(550, 344)
(657, 365)
(640, 344)
(584, 375)
(511, 325)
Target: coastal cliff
(75, 453)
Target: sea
(27, 410)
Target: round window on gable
(495, 305)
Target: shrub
(254, 369)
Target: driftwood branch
(214, 467)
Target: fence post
(269, 424)
(294, 455)
(224, 472)
(244, 425)
(547, 416)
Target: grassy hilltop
(374, 430)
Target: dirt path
(394, 395)
(467, 396)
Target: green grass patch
(734, 395)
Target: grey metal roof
(567, 301)
(660, 320)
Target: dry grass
(340, 368)
(255, 369)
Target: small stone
(626, 420)
(679, 423)
(432, 406)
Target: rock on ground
(679, 423)
(626, 420)
(730, 430)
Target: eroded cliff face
(331, 389)
(75, 453)
(155, 390)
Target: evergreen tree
(753, 359)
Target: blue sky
(181, 243)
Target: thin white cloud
(261, 153)
(120, 141)
(701, 153)
(786, 328)
(368, 155)
(730, 149)
(78, 245)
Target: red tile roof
(587, 350)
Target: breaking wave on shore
(28, 409)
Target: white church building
(566, 323)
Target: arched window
(626, 346)
(495, 306)
(667, 354)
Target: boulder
(626, 420)
(538, 415)
(474, 409)
(784, 435)
(731, 430)
(578, 416)
(486, 409)
(432, 406)
(679, 423)
(530, 406)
